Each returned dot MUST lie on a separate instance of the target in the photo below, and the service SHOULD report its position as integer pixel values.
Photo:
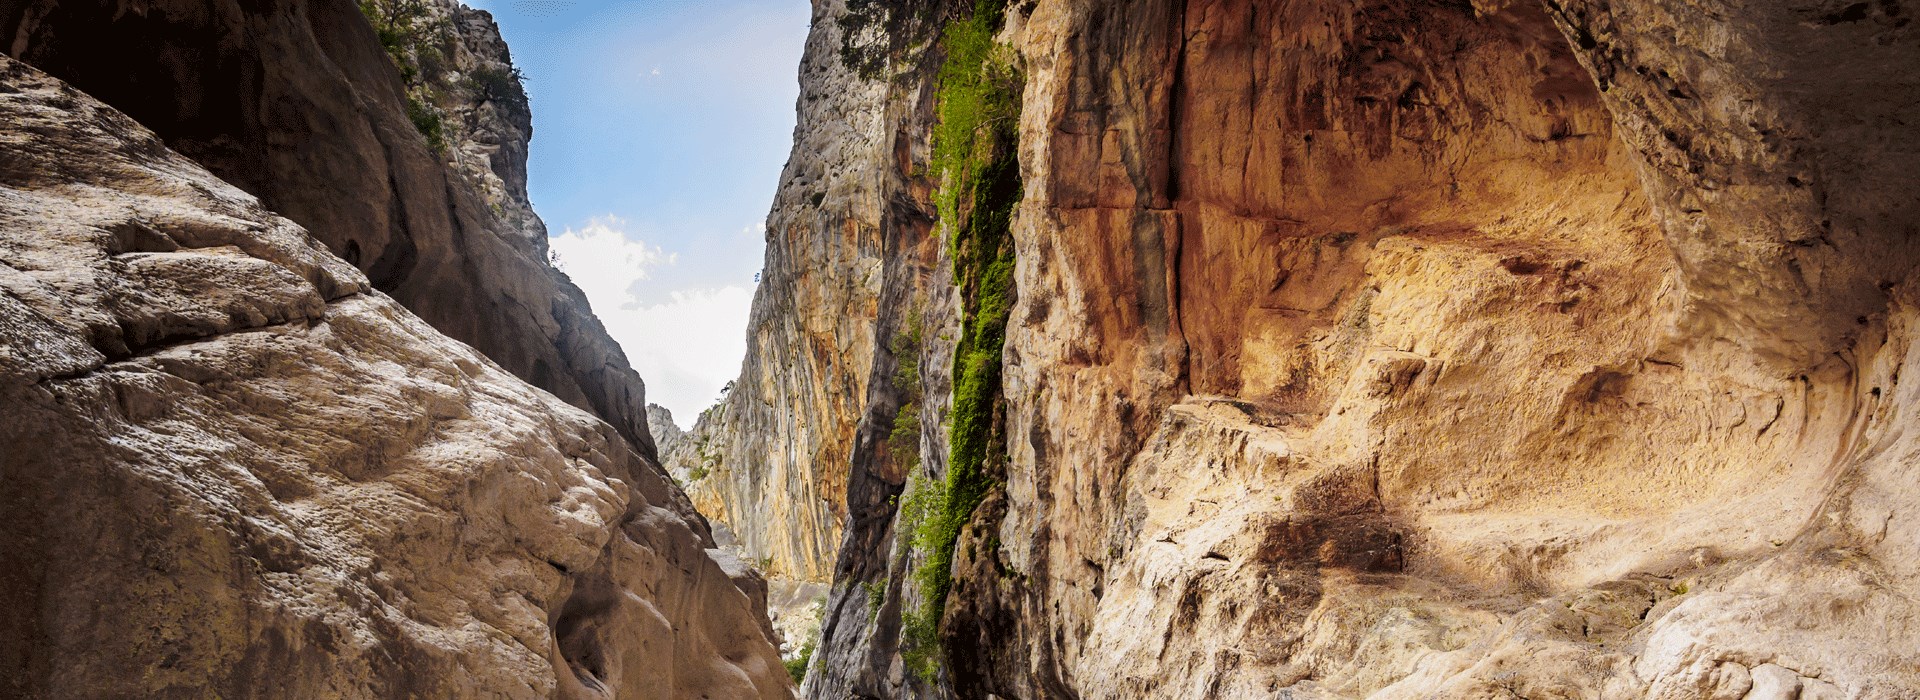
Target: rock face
(794, 605)
(667, 435)
(233, 468)
(1390, 349)
(298, 104)
(842, 228)
(489, 120)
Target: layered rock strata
(234, 468)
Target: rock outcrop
(301, 104)
(841, 234)
(794, 605)
(1390, 349)
(233, 468)
(489, 119)
(667, 435)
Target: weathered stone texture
(233, 468)
(298, 104)
(1437, 349)
(783, 441)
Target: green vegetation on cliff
(903, 442)
(978, 107)
(976, 163)
(876, 36)
(502, 87)
(413, 37)
(797, 666)
(420, 41)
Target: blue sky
(660, 129)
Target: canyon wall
(234, 468)
(1324, 349)
(402, 147)
(845, 245)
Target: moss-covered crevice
(903, 441)
(975, 161)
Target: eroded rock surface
(233, 468)
(1401, 349)
(299, 104)
(783, 441)
(667, 435)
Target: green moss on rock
(976, 162)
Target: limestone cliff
(667, 435)
(234, 468)
(400, 143)
(1329, 349)
(843, 235)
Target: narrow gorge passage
(1109, 349)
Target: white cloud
(687, 345)
(604, 262)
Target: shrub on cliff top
(409, 33)
(501, 87)
(412, 36)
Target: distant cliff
(780, 446)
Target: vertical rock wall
(1402, 349)
(845, 252)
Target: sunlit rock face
(300, 105)
(798, 463)
(779, 447)
(1392, 349)
(234, 468)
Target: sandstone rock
(805, 458)
(233, 468)
(848, 259)
(1816, 689)
(1705, 679)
